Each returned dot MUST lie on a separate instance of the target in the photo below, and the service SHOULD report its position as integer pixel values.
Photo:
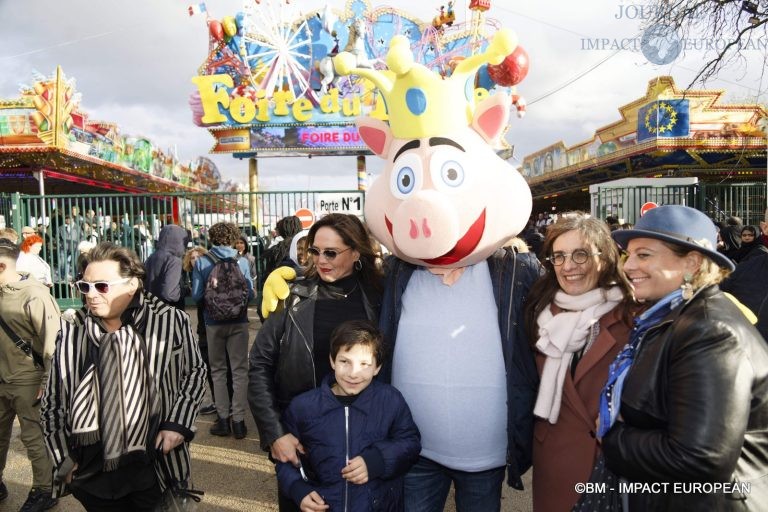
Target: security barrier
(135, 220)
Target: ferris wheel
(276, 47)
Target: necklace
(340, 295)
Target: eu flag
(663, 118)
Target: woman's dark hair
(358, 332)
(128, 261)
(594, 232)
(751, 229)
(353, 233)
(245, 242)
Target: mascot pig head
(445, 198)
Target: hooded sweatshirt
(163, 267)
(31, 312)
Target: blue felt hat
(679, 225)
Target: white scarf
(563, 334)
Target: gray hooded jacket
(164, 265)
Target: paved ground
(235, 474)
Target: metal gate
(135, 220)
(718, 201)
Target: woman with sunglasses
(579, 315)
(686, 402)
(291, 353)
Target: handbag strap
(23, 345)
(177, 487)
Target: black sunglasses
(329, 254)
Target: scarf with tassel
(116, 401)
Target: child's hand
(312, 502)
(356, 471)
(284, 449)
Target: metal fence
(718, 201)
(134, 220)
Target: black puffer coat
(695, 409)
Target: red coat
(564, 453)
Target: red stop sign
(650, 205)
(306, 216)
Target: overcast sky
(133, 61)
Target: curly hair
(223, 233)
(128, 261)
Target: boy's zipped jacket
(378, 426)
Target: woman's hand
(312, 502)
(355, 471)
(285, 449)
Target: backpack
(226, 290)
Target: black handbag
(178, 496)
(601, 491)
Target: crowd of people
(619, 357)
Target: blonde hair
(709, 272)
(186, 261)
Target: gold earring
(687, 287)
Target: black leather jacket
(281, 358)
(695, 409)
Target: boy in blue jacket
(357, 434)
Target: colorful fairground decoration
(665, 119)
(269, 86)
(47, 116)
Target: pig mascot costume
(452, 311)
(452, 308)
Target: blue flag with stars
(663, 118)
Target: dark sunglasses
(329, 254)
(101, 286)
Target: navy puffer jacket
(379, 428)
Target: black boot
(239, 429)
(221, 427)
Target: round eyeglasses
(329, 254)
(101, 286)
(578, 256)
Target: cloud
(133, 62)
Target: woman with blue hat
(686, 402)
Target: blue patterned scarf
(610, 397)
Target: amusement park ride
(268, 86)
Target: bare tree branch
(721, 28)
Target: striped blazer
(176, 365)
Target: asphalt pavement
(234, 474)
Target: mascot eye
(406, 178)
(452, 173)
